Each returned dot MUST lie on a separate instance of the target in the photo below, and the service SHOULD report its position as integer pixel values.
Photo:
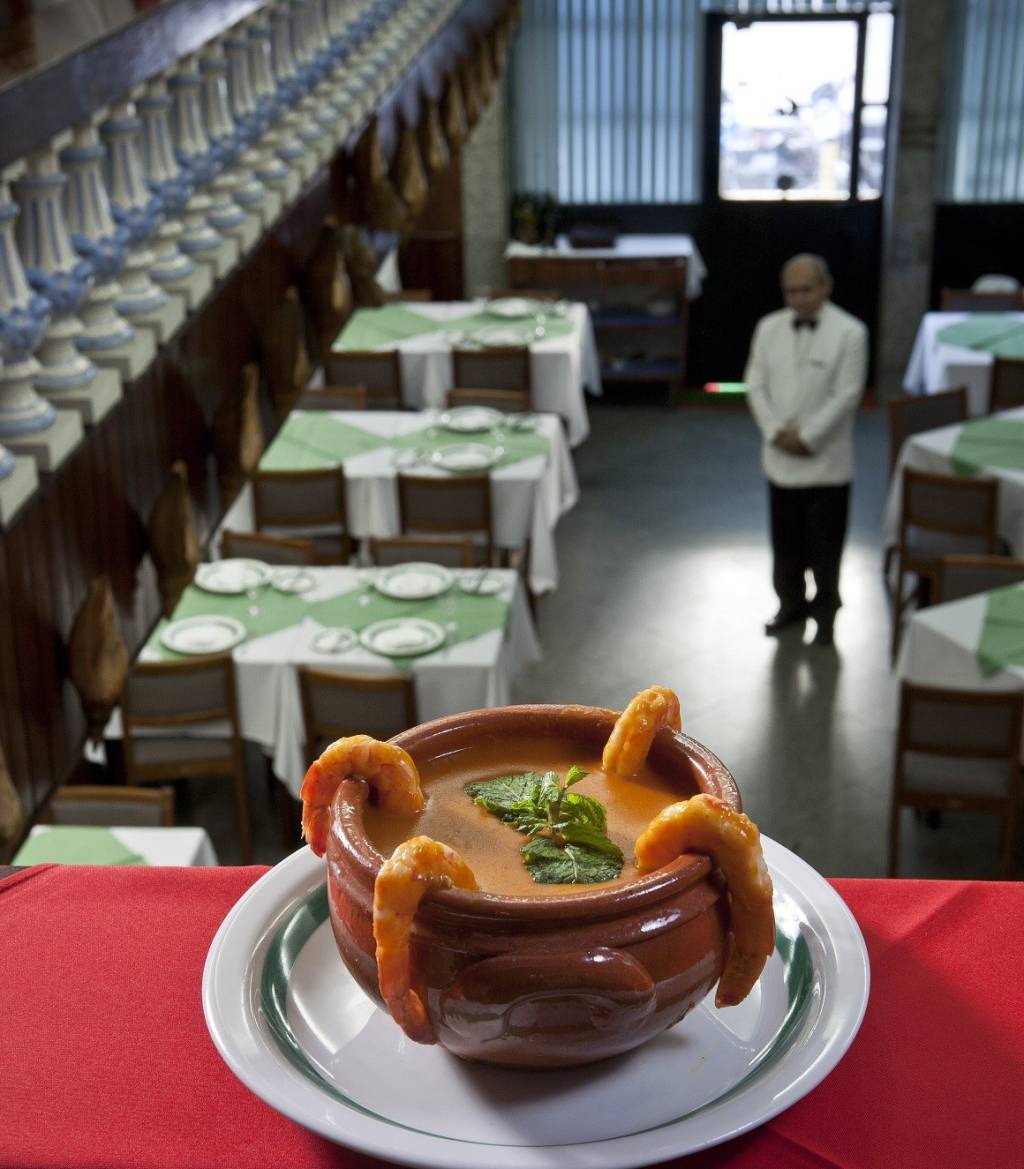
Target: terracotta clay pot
(547, 981)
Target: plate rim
(368, 630)
(207, 565)
(526, 300)
(480, 336)
(301, 571)
(266, 904)
(446, 415)
(239, 632)
(445, 573)
(350, 644)
(495, 454)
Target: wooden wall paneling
(12, 725)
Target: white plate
(402, 637)
(334, 641)
(414, 581)
(514, 307)
(481, 585)
(202, 634)
(292, 580)
(232, 577)
(466, 456)
(471, 419)
(503, 336)
(296, 1029)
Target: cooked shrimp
(704, 823)
(635, 728)
(388, 769)
(416, 867)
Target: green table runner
(989, 442)
(470, 614)
(72, 845)
(310, 440)
(987, 331)
(377, 328)
(1002, 634)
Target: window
(804, 107)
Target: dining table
(533, 480)
(110, 1064)
(958, 349)
(321, 616)
(564, 363)
(993, 446)
(88, 844)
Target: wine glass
(253, 592)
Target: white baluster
(279, 137)
(296, 117)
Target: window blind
(606, 100)
(984, 118)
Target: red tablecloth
(106, 1060)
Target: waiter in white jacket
(805, 377)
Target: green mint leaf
(593, 838)
(575, 774)
(584, 810)
(575, 864)
(508, 797)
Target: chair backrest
(507, 401)
(506, 368)
(976, 724)
(270, 549)
(333, 398)
(966, 300)
(379, 370)
(337, 704)
(452, 553)
(428, 503)
(112, 804)
(966, 576)
(910, 415)
(950, 503)
(1007, 384)
(299, 498)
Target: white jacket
(819, 393)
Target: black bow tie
(799, 323)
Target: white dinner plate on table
(292, 580)
(480, 584)
(514, 307)
(334, 641)
(466, 456)
(413, 581)
(402, 637)
(293, 1025)
(210, 634)
(232, 577)
(471, 419)
(503, 336)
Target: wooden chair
(116, 805)
(915, 413)
(493, 369)
(459, 505)
(436, 550)
(379, 370)
(269, 549)
(940, 514)
(333, 398)
(966, 576)
(181, 723)
(337, 704)
(311, 501)
(966, 300)
(507, 401)
(958, 750)
(1007, 389)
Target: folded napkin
(73, 845)
(989, 442)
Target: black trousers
(808, 527)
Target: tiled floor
(665, 578)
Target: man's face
(804, 290)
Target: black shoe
(783, 619)
(823, 634)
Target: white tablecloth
(560, 367)
(157, 846)
(469, 675)
(936, 366)
(527, 496)
(931, 450)
(627, 247)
